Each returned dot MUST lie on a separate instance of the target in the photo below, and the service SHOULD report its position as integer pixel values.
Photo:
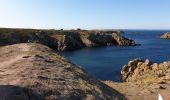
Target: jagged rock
(145, 79)
(133, 68)
(166, 35)
(144, 71)
(120, 40)
(92, 39)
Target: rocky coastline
(64, 40)
(54, 77)
(30, 68)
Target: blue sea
(105, 63)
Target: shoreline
(51, 69)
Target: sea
(105, 63)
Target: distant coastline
(64, 40)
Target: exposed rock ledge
(64, 40)
(36, 72)
(143, 70)
(166, 35)
(144, 80)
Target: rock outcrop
(120, 40)
(35, 72)
(144, 80)
(64, 40)
(166, 35)
(145, 71)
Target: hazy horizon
(87, 14)
(81, 29)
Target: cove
(105, 63)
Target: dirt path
(12, 60)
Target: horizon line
(80, 28)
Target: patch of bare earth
(134, 91)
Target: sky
(85, 14)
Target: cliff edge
(35, 72)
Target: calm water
(106, 62)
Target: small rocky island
(166, 35)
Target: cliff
(35, 72)
(64, 40)
(166, 35)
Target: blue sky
(86, 14)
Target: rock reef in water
(64, 40)
(166, 35)
(35, 72)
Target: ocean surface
(105, 63)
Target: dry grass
(49, 75)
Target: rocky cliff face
(120, 40)
(68, 41)
(13, 36)
(92, 39)
(36, 72)
(64, 40)
(166, 35)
